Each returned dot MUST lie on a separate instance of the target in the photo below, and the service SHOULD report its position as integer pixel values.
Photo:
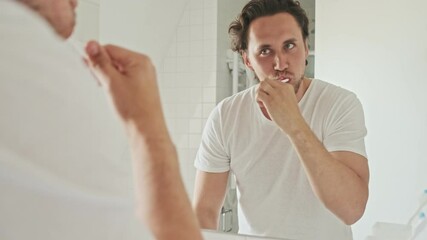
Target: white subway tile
(209, 15)
(209, 31)
(207, 109)
(194, 140)
(195, 79)
(196, 48)
(193, 152)
(181, 110)
(222, 93)
(169, 110)
(209, 48)
(172, 50)
(183, 49)
(160, 78)
(170, 124)
(195, 125)
(197, 64)
(189, 187)
(168, 80)
(209, 79)
(169, 64)
(88, 14)
(185, 19)
(181, 95)
(180, 140)
(182, 79)
(195, 95)
(166, 95)
(196, 4)
(209, 95)
(183, 34)
(182, 126)
(196, 32)
(209, 63)
(191, 170)
(190, 179)
(196, 16)
(192, 80)
(183, 154)
(182, 64)
(198, 109)
(210, 4)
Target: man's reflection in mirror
(295, 145)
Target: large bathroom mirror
(376, 49)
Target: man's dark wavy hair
(238, 29)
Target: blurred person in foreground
(62, 173)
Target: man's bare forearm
(208, 219)
(209, 194)
(339, 187)
(130, 81)
(163, 204)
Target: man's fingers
(127, 59)
(266, 87)
(261, 97)
(100, 61)
(120, 56)
(274, 82)
(97, 55)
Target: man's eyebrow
(263, 46)
(292, 40)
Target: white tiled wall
(193, 76)
(188, 81)
(87, 26)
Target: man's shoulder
(330, 99)
(328, 90)
(29, 42)
(234, 105)
(239, 99)
(18, 19)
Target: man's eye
(264, 51)
(289, 46)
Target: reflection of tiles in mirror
(214, 235)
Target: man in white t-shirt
(64, 171)
(295, 145)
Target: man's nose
(280, 62)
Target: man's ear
(246, 60)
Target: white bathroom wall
(188, 84)
(87, 21)
(144, 26)
(378, 49)
(182, 41)
(194, 76)
(227, 12)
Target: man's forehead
(278, 25)
(273, 32)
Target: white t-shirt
(65, 170)
(274, 195)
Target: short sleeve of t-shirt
(212, 155)
(345, 129)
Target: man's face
(276, 48)
(60, 14)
